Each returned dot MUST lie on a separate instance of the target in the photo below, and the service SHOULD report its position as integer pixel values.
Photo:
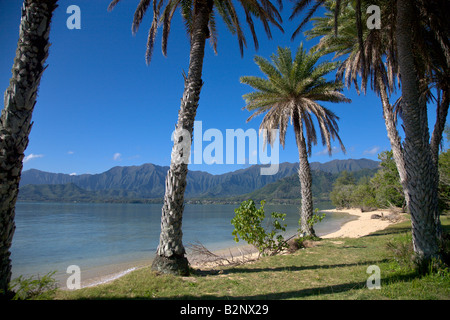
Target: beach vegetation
(33, 287)
(383, 190)
(292, 92)
(444, 176)
(248, 226)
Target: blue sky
(100, 105)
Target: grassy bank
(330, 269)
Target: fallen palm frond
(202, 256)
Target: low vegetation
(248, 226)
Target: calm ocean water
(52, 236)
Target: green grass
(333, 269)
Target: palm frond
(112, 4)
(152, 31)
(167, 16)
(213, 32)
(307, 18)
(139, 14)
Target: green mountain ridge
(145, 183)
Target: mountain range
(146, 182)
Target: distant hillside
(287, 190)
(147, 182)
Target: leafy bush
(247, 226)
(32, 288)
(342, 196)
(383, 190)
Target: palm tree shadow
(233, 270)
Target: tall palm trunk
(436, 138)
(170, 255)
(421, 181)
(304, 174)
(392, 132)
(15, 121)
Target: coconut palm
(15, 120)
(409, 20)
(200, 22)
(291, 92)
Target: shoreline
(360, 226)
(364, 223)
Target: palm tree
(381, 68)
(200, 21)
(422, 184)
(15, 120)
(409, 20)
(291, 92)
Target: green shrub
(403, 253)
(32, 288)
(247, 226)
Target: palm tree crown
(291, 92)
(163, 13)
(292, 89)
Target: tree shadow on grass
(298, 268)
(322, 292)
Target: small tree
(386, 182)
(247, 226)
(343, 189)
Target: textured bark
(421, 182)
(439, 126)
(394, 137)
(304, 174)
(15, 121)
(170, 255)
(436, 138)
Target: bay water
(52, 236)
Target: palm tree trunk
(170, 255)
(439, 126)
(15, 121)
(421, 182)
(393, 135)
(304, 174)
(436, 138)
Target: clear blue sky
(100, 105)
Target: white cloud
(31, 157)
(70, 152)
(372, 151)
(73, 174)
(117, 156)
(324, 152)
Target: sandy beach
(363, 225)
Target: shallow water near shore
(108, 240)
